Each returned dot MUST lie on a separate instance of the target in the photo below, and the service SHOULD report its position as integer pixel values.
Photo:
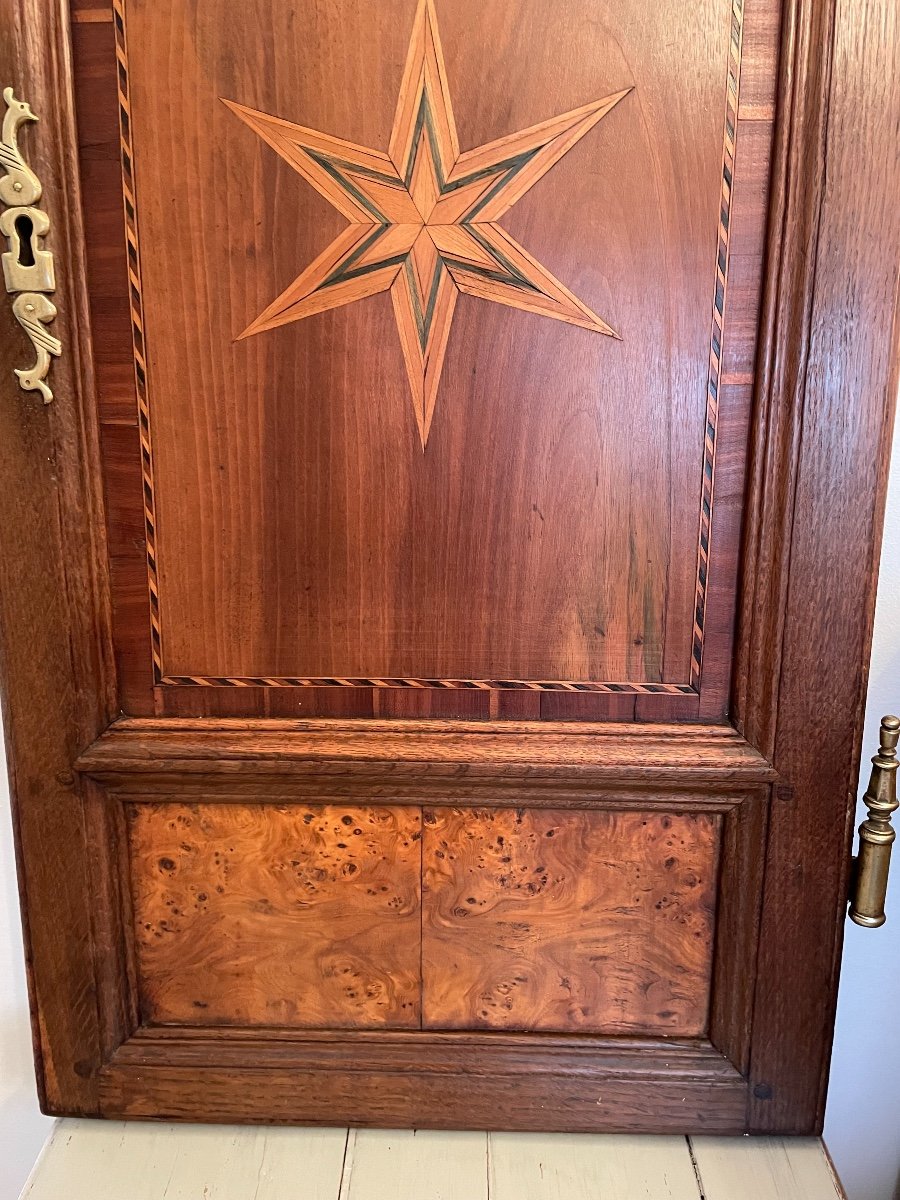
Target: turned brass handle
(27, 266)
(876, 835)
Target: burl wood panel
(544, 920)
(264, 915)
(301, 529)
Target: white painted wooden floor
(96, 1160)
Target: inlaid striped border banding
(137, 332)
(482, 685)
(707, 491)
(709, 446)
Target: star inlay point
(423, 218)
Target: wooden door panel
(446, 581)
(261, 915)
(386, 571)
(590, 922)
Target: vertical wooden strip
(826, 412)
(738, 909)
(55, 646)
(724, 568)
(713, 387)
(135, 291)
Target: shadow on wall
(862, 1125)
(23, 1128)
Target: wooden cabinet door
(436, 598)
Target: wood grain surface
(567, 921)
(261, 482)
(56, 671)
(403, 581)
(829, 376)
(258, 915)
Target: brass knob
(876, 835)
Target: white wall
(22, 1127)
(863, 1119)
(862, 1124)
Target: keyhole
(25, 231)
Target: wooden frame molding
(824, 410)
(326, 1076)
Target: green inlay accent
(369, 172)
(327, 166)
(499, 257)
(424, 121)
(514, 165)
(367, 270)
(342, 272)
(515, 281)
(423, 319)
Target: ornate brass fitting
(876, 836)
(27, 266)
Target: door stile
(57, 674)
(825, 403)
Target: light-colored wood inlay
(567, 920)
(256, 914)
(423, 217)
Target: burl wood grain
(548, 920)
(263, 915)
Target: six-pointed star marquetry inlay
(424, 217)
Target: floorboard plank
(98, 1160)
(578, 1166)
(763, 1169)
(423, 1165)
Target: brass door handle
(876, 835)
(27, 266)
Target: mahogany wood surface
(764, 809)
(427, 600)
